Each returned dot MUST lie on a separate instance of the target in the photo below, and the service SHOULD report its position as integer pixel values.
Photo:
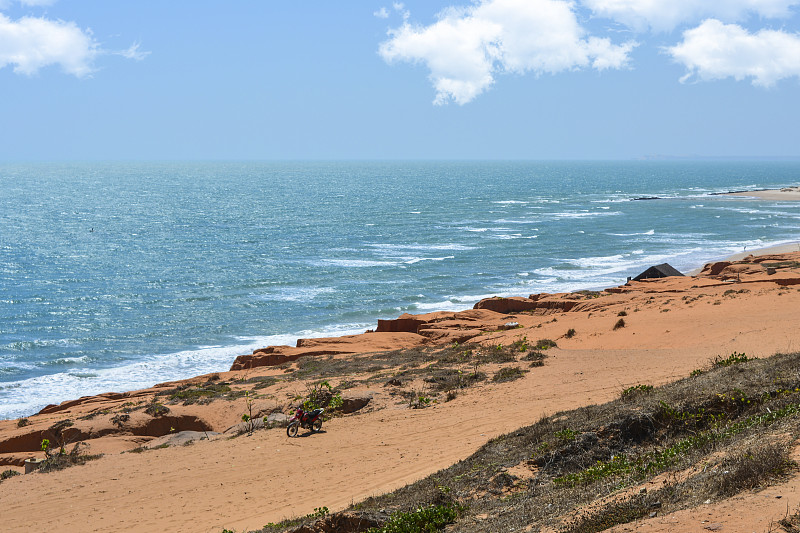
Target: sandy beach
(788, 194)
(673, 325)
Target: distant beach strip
(785, 194)
(788, 194)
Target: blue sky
(496, 79)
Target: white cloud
(133, 52)
(663, 15)
(714, 51)
(467, 47)
(37, 2)
(382, 13)
(32, 43)
(5, 4)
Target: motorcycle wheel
(316, 427)
(291, 429)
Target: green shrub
(566, 435)
(620, 324)
(544, 344)
(733, 359)
(423, 520)
(322, 395)
(319, 512)
(632, 392)
(520, 345)
(570, 333)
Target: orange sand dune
(672, 326)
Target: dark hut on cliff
(664, 270)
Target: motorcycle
(311, 420)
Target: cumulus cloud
(31, 43)
(382, 13)
(664, 15)
(715, 50)
(467, 47)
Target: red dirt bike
(311, 420)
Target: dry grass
(739, 421)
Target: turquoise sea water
(119, 276)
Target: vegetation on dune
(719, 432)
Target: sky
(428, 79)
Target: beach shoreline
(788, 194)
(672, 326)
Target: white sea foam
(649, 232)
(518, 221)
(422, 247)
(460, 303)
(295, 294)
(355, 263)
(574, 214)
(24, 397)
(420, 259)
(507, 236)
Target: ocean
(117, 276)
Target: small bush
(319, 512)
(22, 422)
(570, 333)
(622, 313)
(566, 435)
(206, 392)
(322, 395)
(62, 460)
(423, 520)
(520, 345)
(509, 373)
(789, 523)
(544, 344)
(120, 419)
(536, 358)
(748, 469)
(156, 409)
(733, 359)
(620, 324)
(5, 474)
(609, 515)
(635, 391)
